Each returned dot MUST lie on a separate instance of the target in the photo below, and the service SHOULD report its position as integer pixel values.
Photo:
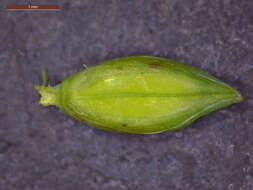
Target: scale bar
(33, 7)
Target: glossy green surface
(139, 95)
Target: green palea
(140, 94)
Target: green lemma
(138, 94)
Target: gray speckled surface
(43, 149)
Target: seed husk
(138, 94)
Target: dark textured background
(43, 149)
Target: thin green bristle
(44, 75)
